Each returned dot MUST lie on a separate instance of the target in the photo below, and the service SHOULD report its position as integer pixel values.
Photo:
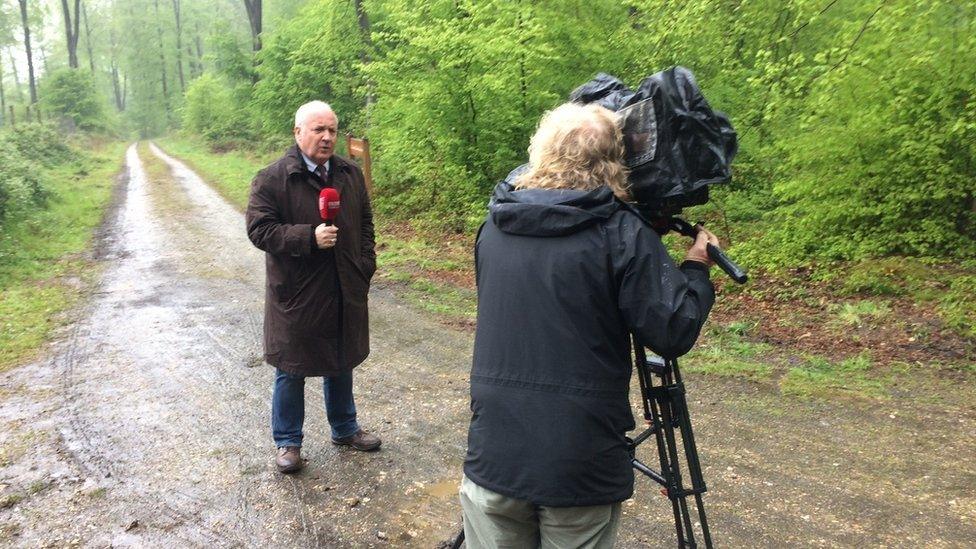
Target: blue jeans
(288, 407)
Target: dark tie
(322, 172)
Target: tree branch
(857, 38)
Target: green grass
(43, 269)
(958, 306)
(414, 261)
(819, 377)
(418, 253)
(229, 172)
(727, 352)
(854, 314)
(949, 288)
(442, 299)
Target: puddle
(444, 489)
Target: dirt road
(149, 423)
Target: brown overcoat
(303, 333)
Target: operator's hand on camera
(697, 251)
(326, 235)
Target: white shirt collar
(312, 165)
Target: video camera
(675, 144)
(675, 147)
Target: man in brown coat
(315, 316)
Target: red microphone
(329, 205)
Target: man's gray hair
(309, 108)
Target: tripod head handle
(716, 254)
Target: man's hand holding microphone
(326, 235)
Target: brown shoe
(361, 440)
(289, 459)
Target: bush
(70, 94)
(209, 110)
(24, 152)
(38, 142)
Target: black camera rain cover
(675, 143)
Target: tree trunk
(71, 32)
(3, 97)
(114, 64)
(162, 56)
(363, 18)
(47, 69)
(199, 44)
(179, 44)
(88, 43)
(27, 47)
(253, 8)
(195, 69)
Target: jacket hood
(549, 212)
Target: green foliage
(316, 55)
(208, 110)
(229, 54)
(958, 305)
(880, 141)
(886, 276)
(857, 122)
(71, 95)
(460, 87)
(24, 152)
(40, 264)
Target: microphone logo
(329, 205)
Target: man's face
(316, 136)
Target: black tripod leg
(680, 403)
(704, 522)
(656, 407)
(672, 450)
(458, 540)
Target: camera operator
(565, 273)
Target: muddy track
(149, 423)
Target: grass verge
(726, 351)
(229, 172)
(43, 265)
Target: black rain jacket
(564, 277)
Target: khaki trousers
(492, 520)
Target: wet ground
(148, 425)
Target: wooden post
(359, 150)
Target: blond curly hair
(577, 147)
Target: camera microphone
(329, 205)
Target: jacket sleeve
(663, 305)
(367, 237)
(265, 227)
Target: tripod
(665, 409)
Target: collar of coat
(294, 162)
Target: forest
(831, 394)
(856, 119)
